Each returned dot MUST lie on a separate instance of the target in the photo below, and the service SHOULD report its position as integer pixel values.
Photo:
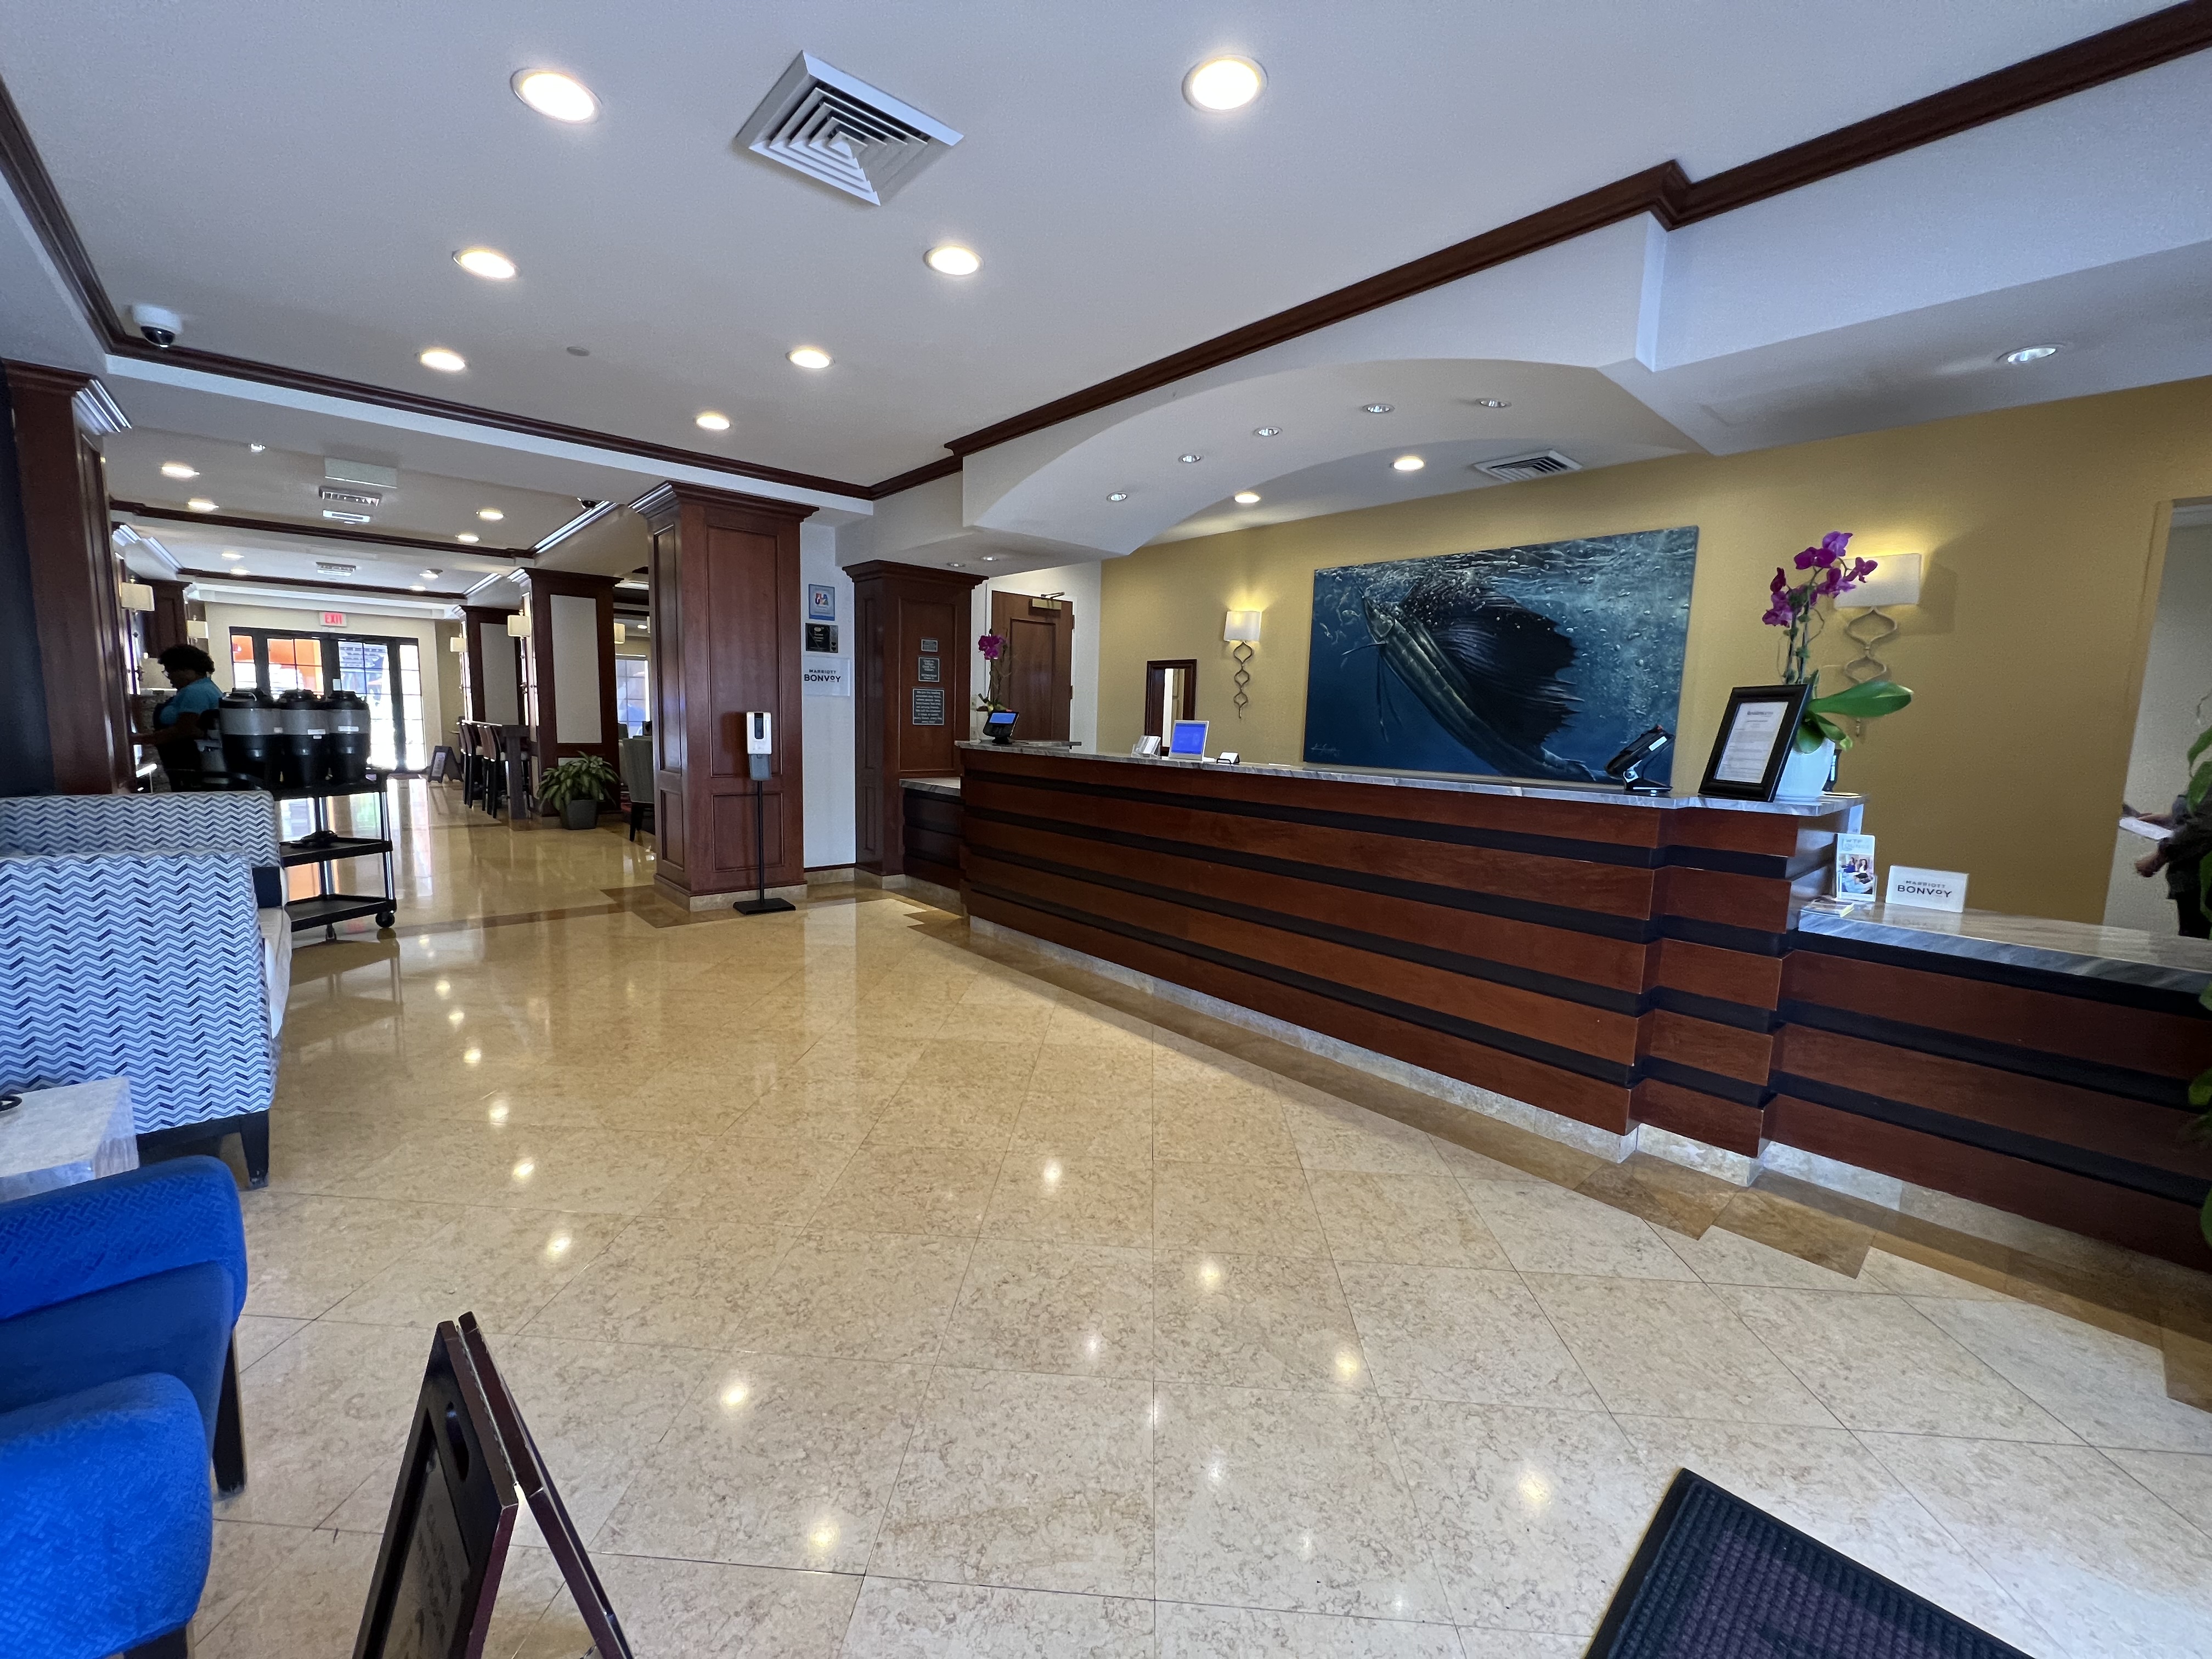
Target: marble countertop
(1529, 788)
(2159, 962)
(933, 785)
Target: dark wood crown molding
(1666, 193)
(326, 585)
(659, 505)
(927, 473)
(328, 532)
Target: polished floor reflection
(873, 1293)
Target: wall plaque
(822, 637)
(929, 705)
(929, 645)
(925, 670)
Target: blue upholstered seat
(118, 1298)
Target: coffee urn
(348, 754)
(304, 719)
(253, 735)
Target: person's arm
(2191, 840)
(186, 729)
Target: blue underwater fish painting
(1523, 662)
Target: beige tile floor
(872, 1296)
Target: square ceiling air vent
(1513, 469)
(842, 131)
(351, 497)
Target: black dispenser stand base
(761, 904)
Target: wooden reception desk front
(1620, 962)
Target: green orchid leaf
(2199, 781)
(1806, 739)
(1862, 703)
(2204, 742)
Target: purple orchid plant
(1829, 572)
(994, 647)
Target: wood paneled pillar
(60, 417)
(165, 622)
(726, 588)
(569, 666)
(910, 651)
(491, 679)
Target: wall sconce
(458, 645)
(517, 625)
(1242, 627)
(196, 628)
(621, 634)
(136, 596)
(1895, 581)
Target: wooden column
(165, 622)
(726, 588)
(475, 676)
(578, 719)
(908, 623)
(59, 418)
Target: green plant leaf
(2204, 742)
(1862, 703)
(2199, 781)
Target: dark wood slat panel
(1616, 964)
(1597, 820)
(1586, 1100)
(2155, 1226)
(1706, 970)
(1776, 834)
(2162, 1044)
(1611, 890)
(1727, 1124)
(1758, 902)
(1726, 1049)
(1530, 1014)
(2034, 1106)
(929, 844)
(945, 875)
(933, 812)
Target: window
(630, 704)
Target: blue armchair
(118, 1381)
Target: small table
(59, 1137)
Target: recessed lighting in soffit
(950, 259)
(200, 504)
(445, 361)
(841, 131)
(562, 97)
(2034, 353)
(1492, 402)
(485, 261)
(711, 421)
(1119, 496)
(1407, 464)
(467, 536)
(1223, 83)
(810, 357)
(1190, 458)
(178, 470)
(1266, 432)
(1377, 408)
(490, 514)
(1246, 498)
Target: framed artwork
(821, 602)
(1753, 741)
(1539, 661)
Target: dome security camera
(160, 326)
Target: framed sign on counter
(1753, 741)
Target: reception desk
(1612, 966)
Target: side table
(59, 1137)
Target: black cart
(326, 908)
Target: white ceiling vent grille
(1512, 468)
(356, 497)
(843, 131)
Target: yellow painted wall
(2043, 528)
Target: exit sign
(334, 619)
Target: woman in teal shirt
(188, 719)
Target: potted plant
(1795, 608)
(575, 786)
(994, 647)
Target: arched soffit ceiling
(1322, 420)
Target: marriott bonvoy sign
(1931, 890)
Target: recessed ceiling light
(1189, 456)
(1408, 464)
(1119, 496)
(432, 575)
(490, 514)
(711, 421)
(200, 504)
(256, 448)
(485, 261)
(578, 351)
(227, 554)
(445, 361)
(239, 570)
(1376, 409)
(2029, 355)
(563, 97)
(466, 535)
(414, 587)
(1492, 402)
(1246, 498)
(990, 558)
(950, 259)
(1266, 432)
(809, 356)
(1221, 83)
(178, 470)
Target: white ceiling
(294, 184)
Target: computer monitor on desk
(1187, 739)
(999, 725)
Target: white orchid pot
(1806, 776)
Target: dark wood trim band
(929, 472)
(326, 585)
(2125, 1081)
(2120, 994)
(1670, 196)
(1990, 1138)
(1741, 1015)
(1734, 1090)
(326, 532)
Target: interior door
(1038, 675)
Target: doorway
(1037, 678)
(385, 672)
(1170, 695)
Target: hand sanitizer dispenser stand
(760, 749)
